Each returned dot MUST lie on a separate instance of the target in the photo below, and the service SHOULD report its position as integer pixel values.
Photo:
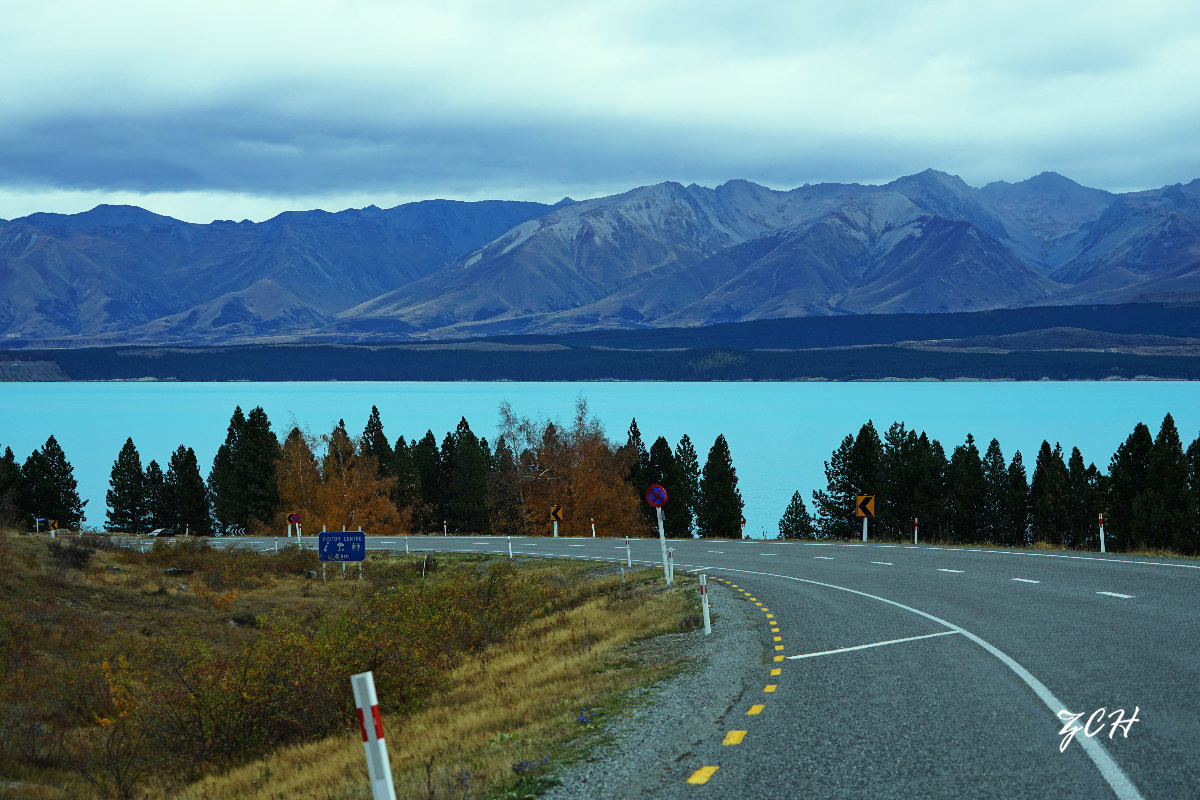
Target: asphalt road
(994, 644)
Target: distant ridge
(661, 256)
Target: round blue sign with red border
(656, 496)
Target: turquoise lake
(779, 433)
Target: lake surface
(779, 433)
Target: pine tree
(255, 470)
(375, 444)
(1128, 475)
(1016, 505)
(10, 490)
(687, 465)
(51, 490)
(428, 464)
(158, 503)
(1048, 495)
(126, 497)
(407, 494)
(865, 466)
(966, 493)
(901, 478)
(228, 496)
(995, 488)
(187, 494)
(466, 506)
(720, 501)
(662, 469)
(932, 494)
(1080, 526)
(639, 465)
(835, 505)
(1165, 512)
(796, 523)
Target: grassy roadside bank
(535, 656)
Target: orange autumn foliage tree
(574, 467)
(345, 489)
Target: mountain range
(657, 256)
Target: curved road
(902, 671)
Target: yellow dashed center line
(777, 638)
(778, 647)
(755, 709)
(734, 737)
(702, 775)
(774, 630)
(770, 687)
(776, 671)
(770, 616)
(779, 658)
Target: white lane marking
(768, 554)
(1114, 594)
(881, 546)
(875, 644)
(884, 563)
(1035, 555)
(577, 545)
(714, 551)
(825, 558)
(1025, 580)
(1122, 787)
(948, 570)
(387, 542)
(854, 545)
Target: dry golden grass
(517, 702)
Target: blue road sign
(656, 496)
(344, 546)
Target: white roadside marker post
(509, 546)
(593, 527)
(662, 541)
(445, 529)
(704, 604)
(864, 529)
(670, 565)
(379, 768)
(914, 530)
(628, 554)
(405, 545)
(1101, 531)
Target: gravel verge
(663, 722)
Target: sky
(232, 110)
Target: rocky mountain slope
(656, 256)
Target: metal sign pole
(662, 540)
(865, 528)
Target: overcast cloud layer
(232, 109)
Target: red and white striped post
(1101, 531)
(914, 530)
(593, 527)
(379, 769)
(704, 604)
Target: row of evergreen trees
(42, 488)
(1150, 496)
(461, 485)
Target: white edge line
(1117, 780)
(941, 569)
(884, 563)
(1115, 594)
(875, 644)
(1025, 580)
